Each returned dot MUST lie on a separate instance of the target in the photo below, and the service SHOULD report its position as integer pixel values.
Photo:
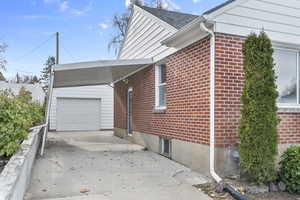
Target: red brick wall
(229, 86)
(187, 114)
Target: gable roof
(175, 19)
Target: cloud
(171, 5)
(63, 6)
(196, 1)
(50, 1)
(103, 26)
(86, 9)
(36, 17)
(127, 3)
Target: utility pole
(57, 48)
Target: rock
(257, 189)
(84, 190)
(233, 177)
(273, 187)
(281, 186)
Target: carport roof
(96, 72)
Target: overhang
(97, 72)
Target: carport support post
(47, 114)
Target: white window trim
(291, 105)
(157, 85)
(162, 147)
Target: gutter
(212, 170)
(216, 177)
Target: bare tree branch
(121, 21)
(2, 59)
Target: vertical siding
(105, 93)
(280, 19)
(144, 36)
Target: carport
(103, 72)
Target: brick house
(178, 112)
(184, 102)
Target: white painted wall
(105, 93)
(144, 36)
(280, 19)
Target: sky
(28, 28)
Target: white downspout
(47, 114)
(212, 104)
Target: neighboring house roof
(36, 90)
(175, 19)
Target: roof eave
(175, 39)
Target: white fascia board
(188, 34)
(182, 31)
(102, 63)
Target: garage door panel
(78, 114)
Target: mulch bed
(210, 190)
(3, 162)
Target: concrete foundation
(192, 155)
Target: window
(165, 147)
(286, 69)
(160, 86)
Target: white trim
(102, 63)
(162, 147)
(287, 105)
(291, 49)
(157, 86)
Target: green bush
(290, 169)
(258, 128)
(17, 115)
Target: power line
(35, 48)
(66, 50)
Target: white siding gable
(104, 93)
(280, 19)
(144, 36)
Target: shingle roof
(175, 19)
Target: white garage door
(78, 114)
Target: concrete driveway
(97, 165)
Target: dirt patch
(210, 190)
(3, 162)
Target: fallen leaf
(84, 190)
